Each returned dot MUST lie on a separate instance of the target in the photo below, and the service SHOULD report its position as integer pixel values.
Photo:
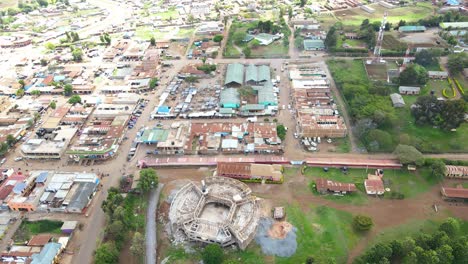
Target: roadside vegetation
(126, 221)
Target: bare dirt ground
(279, 230)
(385, 213)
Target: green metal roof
(234, 74)
(154, 135)
(230, 97)
(264, 73)
(313, 44)
(411, 28)
(250, 107)
(226, 111)
(266, 95)
(251, 73)
(454, 24)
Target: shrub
(362, 223)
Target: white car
(296, 136)
(18, 158)
(3, 161)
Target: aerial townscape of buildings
(229, 131)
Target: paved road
(151, 243)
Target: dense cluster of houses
(316, 112)
(47, 191)
(193, 138)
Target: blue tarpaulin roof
(19, 187)
(47, 254)
(453, 2)
(163, 109)
(42, 177)
(59, 78)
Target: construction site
(218, 210)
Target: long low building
(250, 171)
(456, 171)
(325, 185)
(454, 194)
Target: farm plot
(377, 71)
(391, 43)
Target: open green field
(354, 43)
(168, 15)
(402, 181)
(28, 229)
(8, 3)
(324, 233)
(349, 73)
(355, 16)
(275, 49)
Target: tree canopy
(413, 74)
(331, 38)
(148, 179)
(448, 114)
(362, 223)
(218, 38)
(438, 247)
(408, 155)
(106, 253)
(425, 58)
(74, 99)
(457, 62)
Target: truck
(252, 119)
(278, 79)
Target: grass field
(402, 181)
(354, 43)
(28, 229)
(390, 42)
(377, 71)
(274, 49)
(170, 14)
(324, 233)
(8, 3)
(355, 16)
(426, 138)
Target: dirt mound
(279, 230)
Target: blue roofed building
(42, 178)
(48, 254)
(452, 3)
(411, 29)
(229, 98)
(313, 44)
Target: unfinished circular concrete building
(219, 210)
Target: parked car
(3, 161)
(18, 158)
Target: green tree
(49, 46)
(3, 148)
(331, 38)
(290, 12)
(74, 99)
(281, 131)
(302, 3)
(379, 140)
(153, 41)
(35, 92)
(106, 253)
(77, 55)
(438, 169)
(153, 83)
(10, 139)
(218, 38)
(457, 62)
(413, 74)
(212, 254)
(247, 52)
(138, 244)
(362, 222)
(53, 105)
(148, 179)
(22, 84)
(68, 89)
(191, 79)
(299, 43)
(408, 155)
(20, 92)
(425, 58)
(450, 226)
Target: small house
(456, 171)
(411, 29)
(324, 186)
(69, 226)
(407, 90)
(278, 213)
(454, 194)
(313, 44)
(441, 75)
(397, 100)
